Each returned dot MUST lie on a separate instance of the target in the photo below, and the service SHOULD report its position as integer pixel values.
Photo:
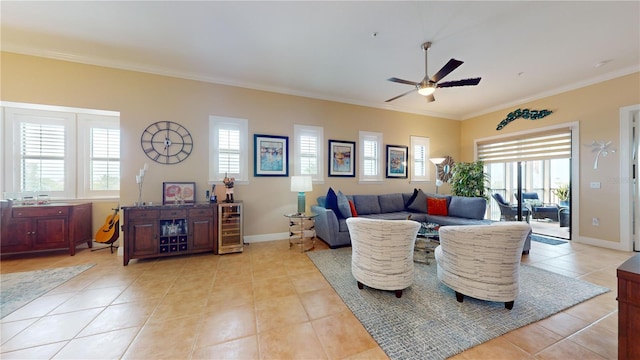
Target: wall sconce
(301, 184)
(436, 162)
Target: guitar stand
(106, 247)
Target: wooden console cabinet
(155, 231)
(45, 227)
(629, 309)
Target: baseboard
(601, 243)
(265, 237)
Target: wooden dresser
(629, 309)
(45, 227)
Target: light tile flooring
(269, 302)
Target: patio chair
(509, 212)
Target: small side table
(302, 231)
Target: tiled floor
(269, 303)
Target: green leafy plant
(562, 192)
(469, 179)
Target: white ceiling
(327, 50)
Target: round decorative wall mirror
(444, 169)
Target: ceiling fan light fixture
(426, 90)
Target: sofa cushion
(391, 203)
(343, 205)
(437, 206)
(366, 204)
(419, 203)
(354, 213)
(322, 201)
(332, 202)
(467, 207)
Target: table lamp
(436, 162)
(301, 184)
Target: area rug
(547, 240)
(18, 289)
(428, 323)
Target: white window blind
(420, 158)
(42, 157)
(549, 145)
(308, 151)
(370, 145)
(105, 159)
(229, 151)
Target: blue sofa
(332, 227)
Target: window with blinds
(308, 151)
(105, 159)
(64, 154)
(370, 160)
(549, 145)
(42, 157)
(229, 151)
(228, 148)
(420, 158)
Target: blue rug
(19, 289)
(428, 323)
(547, 240)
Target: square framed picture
(342, 158)
(271, 155)
(397, 161)
(174, 192)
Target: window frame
(87, 122)
(424, 142)
(368, 136)
(318, 132)
(242, 125)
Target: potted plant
(563, 192)
(469, 179)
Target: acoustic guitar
(109, 233)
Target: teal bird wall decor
(525, 114)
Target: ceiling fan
(427, 86)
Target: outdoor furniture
(509, 212)
(482, 261)
(563, 216)
(382, 252)
(539, 210)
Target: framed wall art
(397, 157)
(342, 158)
(174, 192)
(271, 155)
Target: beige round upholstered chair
(382, 252)
(482, 261)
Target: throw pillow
(354, 213)
(419, 203)
(437, 206)
(413, 197)
(332, 202)
(343, 206)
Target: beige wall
(597, 110)
(144, 98)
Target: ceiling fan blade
(401, 81)
(464, 82)
(448, 68)
(430, 98)
(401, 95)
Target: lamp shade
(437, 161)
(301, 183)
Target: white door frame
(627, 235)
